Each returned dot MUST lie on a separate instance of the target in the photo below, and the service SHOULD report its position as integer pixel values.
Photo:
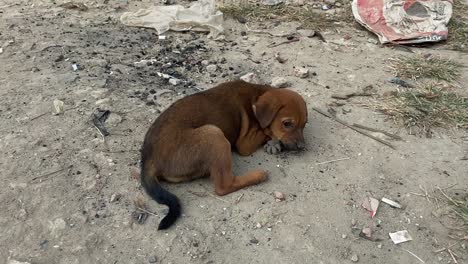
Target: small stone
(254, 241)
(372, 41)
(114, 119)
(344, 236)
(115, 197)
(353, 222)
(354, 258)
(250, 78)
(205, 62)
(211, 68)
(279, 196)
(379, 246)
(306, 33)
(175, 81)
(279, 82)
(103, 101)
(301, 72)
(259, 225)
(152, 259)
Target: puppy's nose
(300, 145)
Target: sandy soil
(67, 196)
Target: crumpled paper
(405, 21)
(200, 16)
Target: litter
(99, 118)
(391, 203)
(200, 16)
(404, 21)
(371, 205)
(75, 67)
(58, 105)
(400, 237)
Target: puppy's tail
(154, 189)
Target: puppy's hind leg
(218, 156)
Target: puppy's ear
(265, 108)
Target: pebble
(306, 33)
(102, 101)
(211, 68)
(114, 119)
(301, 72)
(205, 62)
(254, 241)
(344, 236)
(354, 258)
(259, 225)
(152, 259)
(115, 197)
(250, 78)
(279, 82)
(175, 81)
(379, 246)
(353, 222)
(279, 196)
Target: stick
(330, 161)
(284, 42)
(146, 211)
(239, 198)
(353, 128)
(349, 95)
(378, 130)
(51, 173)
(268, 33)
(452, 255)
(36, 117)
(414, 255)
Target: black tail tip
(170, 218)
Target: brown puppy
(194, 136)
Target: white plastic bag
(200, 16)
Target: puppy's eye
(288, 124)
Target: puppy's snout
(300, 145)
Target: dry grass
(421, 66)
(431, 104)
(310, 18)
(458, 27)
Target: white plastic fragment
(391, 203)
(400, 236)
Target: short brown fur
(194, 137)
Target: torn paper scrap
(400, 237)
(371, 205)
(200, 16)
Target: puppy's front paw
(272, 147)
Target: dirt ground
(67, 195)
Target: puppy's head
(282, 114)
